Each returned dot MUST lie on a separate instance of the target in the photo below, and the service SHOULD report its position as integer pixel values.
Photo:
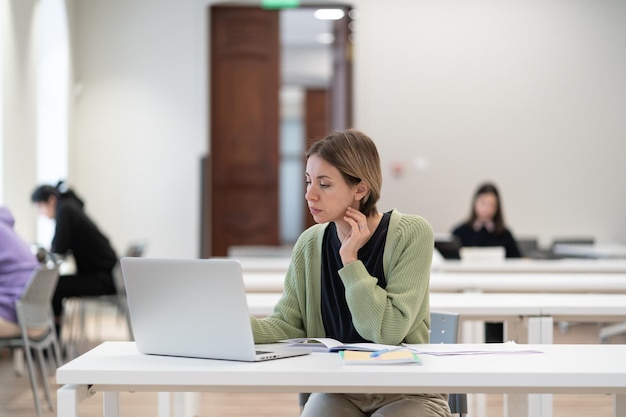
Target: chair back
(34, 307)
(444, 327)
(136, 249)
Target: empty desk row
(272, 282)
(534, 310)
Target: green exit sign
(280, 4)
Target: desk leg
(473, 331)
(164, 401)
(68, 397)
(111, 404)
(186, 404)
(619, 405)
(540, 331)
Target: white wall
(19, 111)
(528, 93)
(138, 131)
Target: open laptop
(192, 308)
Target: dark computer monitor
(448, 247)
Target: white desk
(266, 264)
(272, 281)
(527, 282)
(114, 367)
(575, 266)
(569, 265)
(540, 310)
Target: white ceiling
(299, 27)
(304, 61)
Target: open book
(326, 344)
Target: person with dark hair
(77, 234)
(17, 264)
(358, 275)
(486, 227)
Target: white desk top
(267, 264)
(570, 266)
(478, 306)
(269, 281)
(560, 282)
(559, 369)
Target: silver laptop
(192, 308)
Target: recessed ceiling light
(329, 14)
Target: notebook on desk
(192, 308)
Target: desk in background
(272, 282)
(258, 264)
(535, 311)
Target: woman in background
(486, 227)
(77, 234)
(17, 264)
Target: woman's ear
(362, 190)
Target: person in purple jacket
(17, 264)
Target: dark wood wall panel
(244, 127)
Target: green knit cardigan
(396, 314)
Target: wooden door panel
(244, 127)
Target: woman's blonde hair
(355, 155)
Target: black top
(336, 315)
(483, 237)
(76, 232)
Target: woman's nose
(309, 195)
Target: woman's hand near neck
(354, 232)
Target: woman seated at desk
(17, 265)
(77, 234)
(486, 227)
(358, 275)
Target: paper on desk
(452, 349)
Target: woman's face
(486, 206)
(328, 195)
(47, 208)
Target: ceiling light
(329, 14)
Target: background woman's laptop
(192, 308)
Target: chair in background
(37, 331)
(612, 330)
(75, 315)
(528, 246)
(444, 328)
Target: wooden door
(316, 126)
(244, 83)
